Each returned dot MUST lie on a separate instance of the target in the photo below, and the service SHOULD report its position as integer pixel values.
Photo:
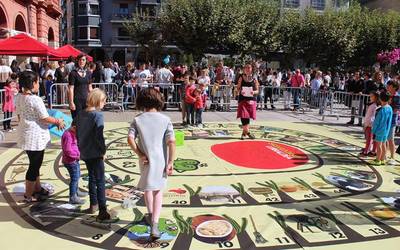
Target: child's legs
(199, 113)
(148, 198)
(90, 165)
(391, 143)
(9, 115)
(383, 151)
(74, 174)
(190, 113)
(378, 150)
(157, 204)
(368, 138)
(192, 119)
(183, 106)
(100, 183)
(6, 122)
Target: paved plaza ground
(299, 185)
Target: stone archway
(3, 23)
(20, 24)
(50, 38)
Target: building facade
(39, 18)
(319, 5)
(382, 4)
(96, 27)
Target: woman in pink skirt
(247, 88)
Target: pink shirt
(8, 104)
(370, 115)
(70, 147)
(297, 81)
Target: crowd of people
(151, 135)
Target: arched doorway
(3, 23)
(20, 24)
(119, 56)
(98, 54)
(50, 37)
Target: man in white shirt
(143, 76)
(5, 73)
(164, 78)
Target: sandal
(42, 192)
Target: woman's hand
(170, 168)
(72, 106)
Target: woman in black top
(61, 73)
(80, 85)
(61, 76)
(98, 73)
(247, 88)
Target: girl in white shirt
(369, 120)
(33, 133)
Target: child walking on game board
(151, 137)
(33, 133)
(70, 160)
(368, 121)
(91, 144)
(381, 127)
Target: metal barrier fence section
(224, 98)
(58, 96)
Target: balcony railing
(150, 2)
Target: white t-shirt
(5, 72)
(33, 134)
(204, 80)
(142, 77)
(108, 75)
(164, 77)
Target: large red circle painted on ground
(260, 154)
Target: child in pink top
(369, 120)
(8, 104)
(70, 159)
(190, 101)
(199, 105)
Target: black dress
(81, 90)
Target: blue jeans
(199, 119)
(129, 93)
(74, 170)
(296, 98)
(97, 189)
(190, 114)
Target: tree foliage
(335, 38)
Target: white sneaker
(391, 162)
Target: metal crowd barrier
(58, 96)
(345, 104)
(224, 98)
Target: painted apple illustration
(260, 154)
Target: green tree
(220, 26)
(144, 30)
